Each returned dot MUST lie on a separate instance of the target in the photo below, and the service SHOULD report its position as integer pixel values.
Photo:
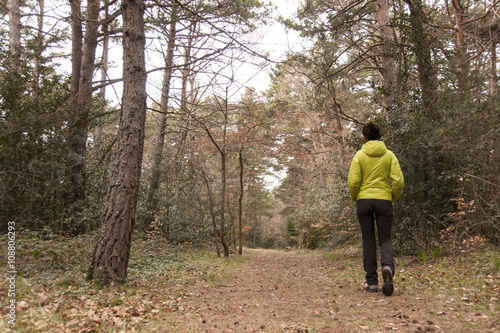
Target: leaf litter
(182, 289)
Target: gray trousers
(373, 212)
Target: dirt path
(278, 291)
(180, 289)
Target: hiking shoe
(373, 288)
(388, 287)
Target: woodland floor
(189, 290)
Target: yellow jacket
(372, 171)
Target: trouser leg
(366, 217)
(384, 213)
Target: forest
(131, 120)
(182, 165)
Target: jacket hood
(374, 148)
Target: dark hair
(372, 131)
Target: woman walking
(375, 182)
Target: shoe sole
(388, 287)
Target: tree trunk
(492, 90)
(240, 206)
(223, 156)
(221, 148)
(185, 74)
(14, 11)
(212, 212)
(460, 47)
(74, 192)
(76, 50)
(232, 239)
(162, 119)
(104, 63)
(255, 232)
(81, 97)
(223, 198)
(387, 60)
(459, 22)
(39, 44)
(111, 254)
(421, 47)
(254, 212)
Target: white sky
(276, 40)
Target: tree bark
(111, 254)
(459, 22)
(493, 68)
(255, 216)
(223, 199)
(387, 60)
(223, 183)
(240, 206)
(14, 11)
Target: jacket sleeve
(354, 178)
(397, 179)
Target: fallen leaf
(72, 322)
(22, 305)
